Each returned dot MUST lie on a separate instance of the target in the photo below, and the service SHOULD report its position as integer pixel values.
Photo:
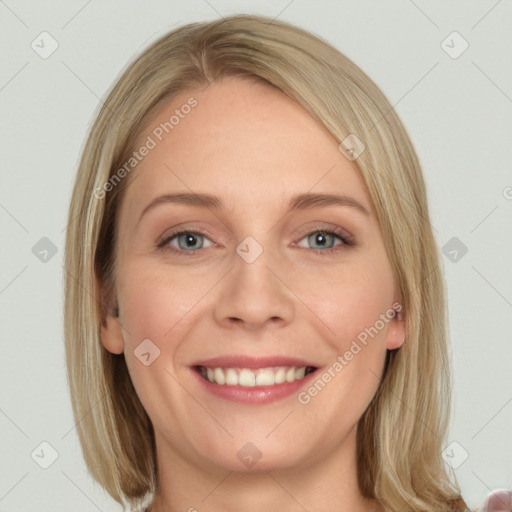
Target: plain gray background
(457, 109)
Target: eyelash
(345, 239)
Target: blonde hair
(402, 432)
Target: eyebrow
(297, 202)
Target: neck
(328, 484)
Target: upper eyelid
(316, 226)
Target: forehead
(242, 140)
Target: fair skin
(254, 148)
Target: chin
(255, 456)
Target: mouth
(252, 377)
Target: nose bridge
(252, 293)
(252, 266)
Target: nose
(255, 294)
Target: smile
(246, 377)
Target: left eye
(322, 239)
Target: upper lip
(241, 361)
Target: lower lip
(254, 394)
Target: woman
(255, 315)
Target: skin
(254, 148)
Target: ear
(111, 330)
(395, 336)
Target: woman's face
(267, 278)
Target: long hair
(402, 433)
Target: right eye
(184, 241)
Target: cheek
(153, 302)
(154, 313)
(357, 308)
(350, 303)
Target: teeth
(218, 376)
(265, 378)
(231, 377)
(280, 376)
(256, 377)
(300, 372)
(246, 378)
